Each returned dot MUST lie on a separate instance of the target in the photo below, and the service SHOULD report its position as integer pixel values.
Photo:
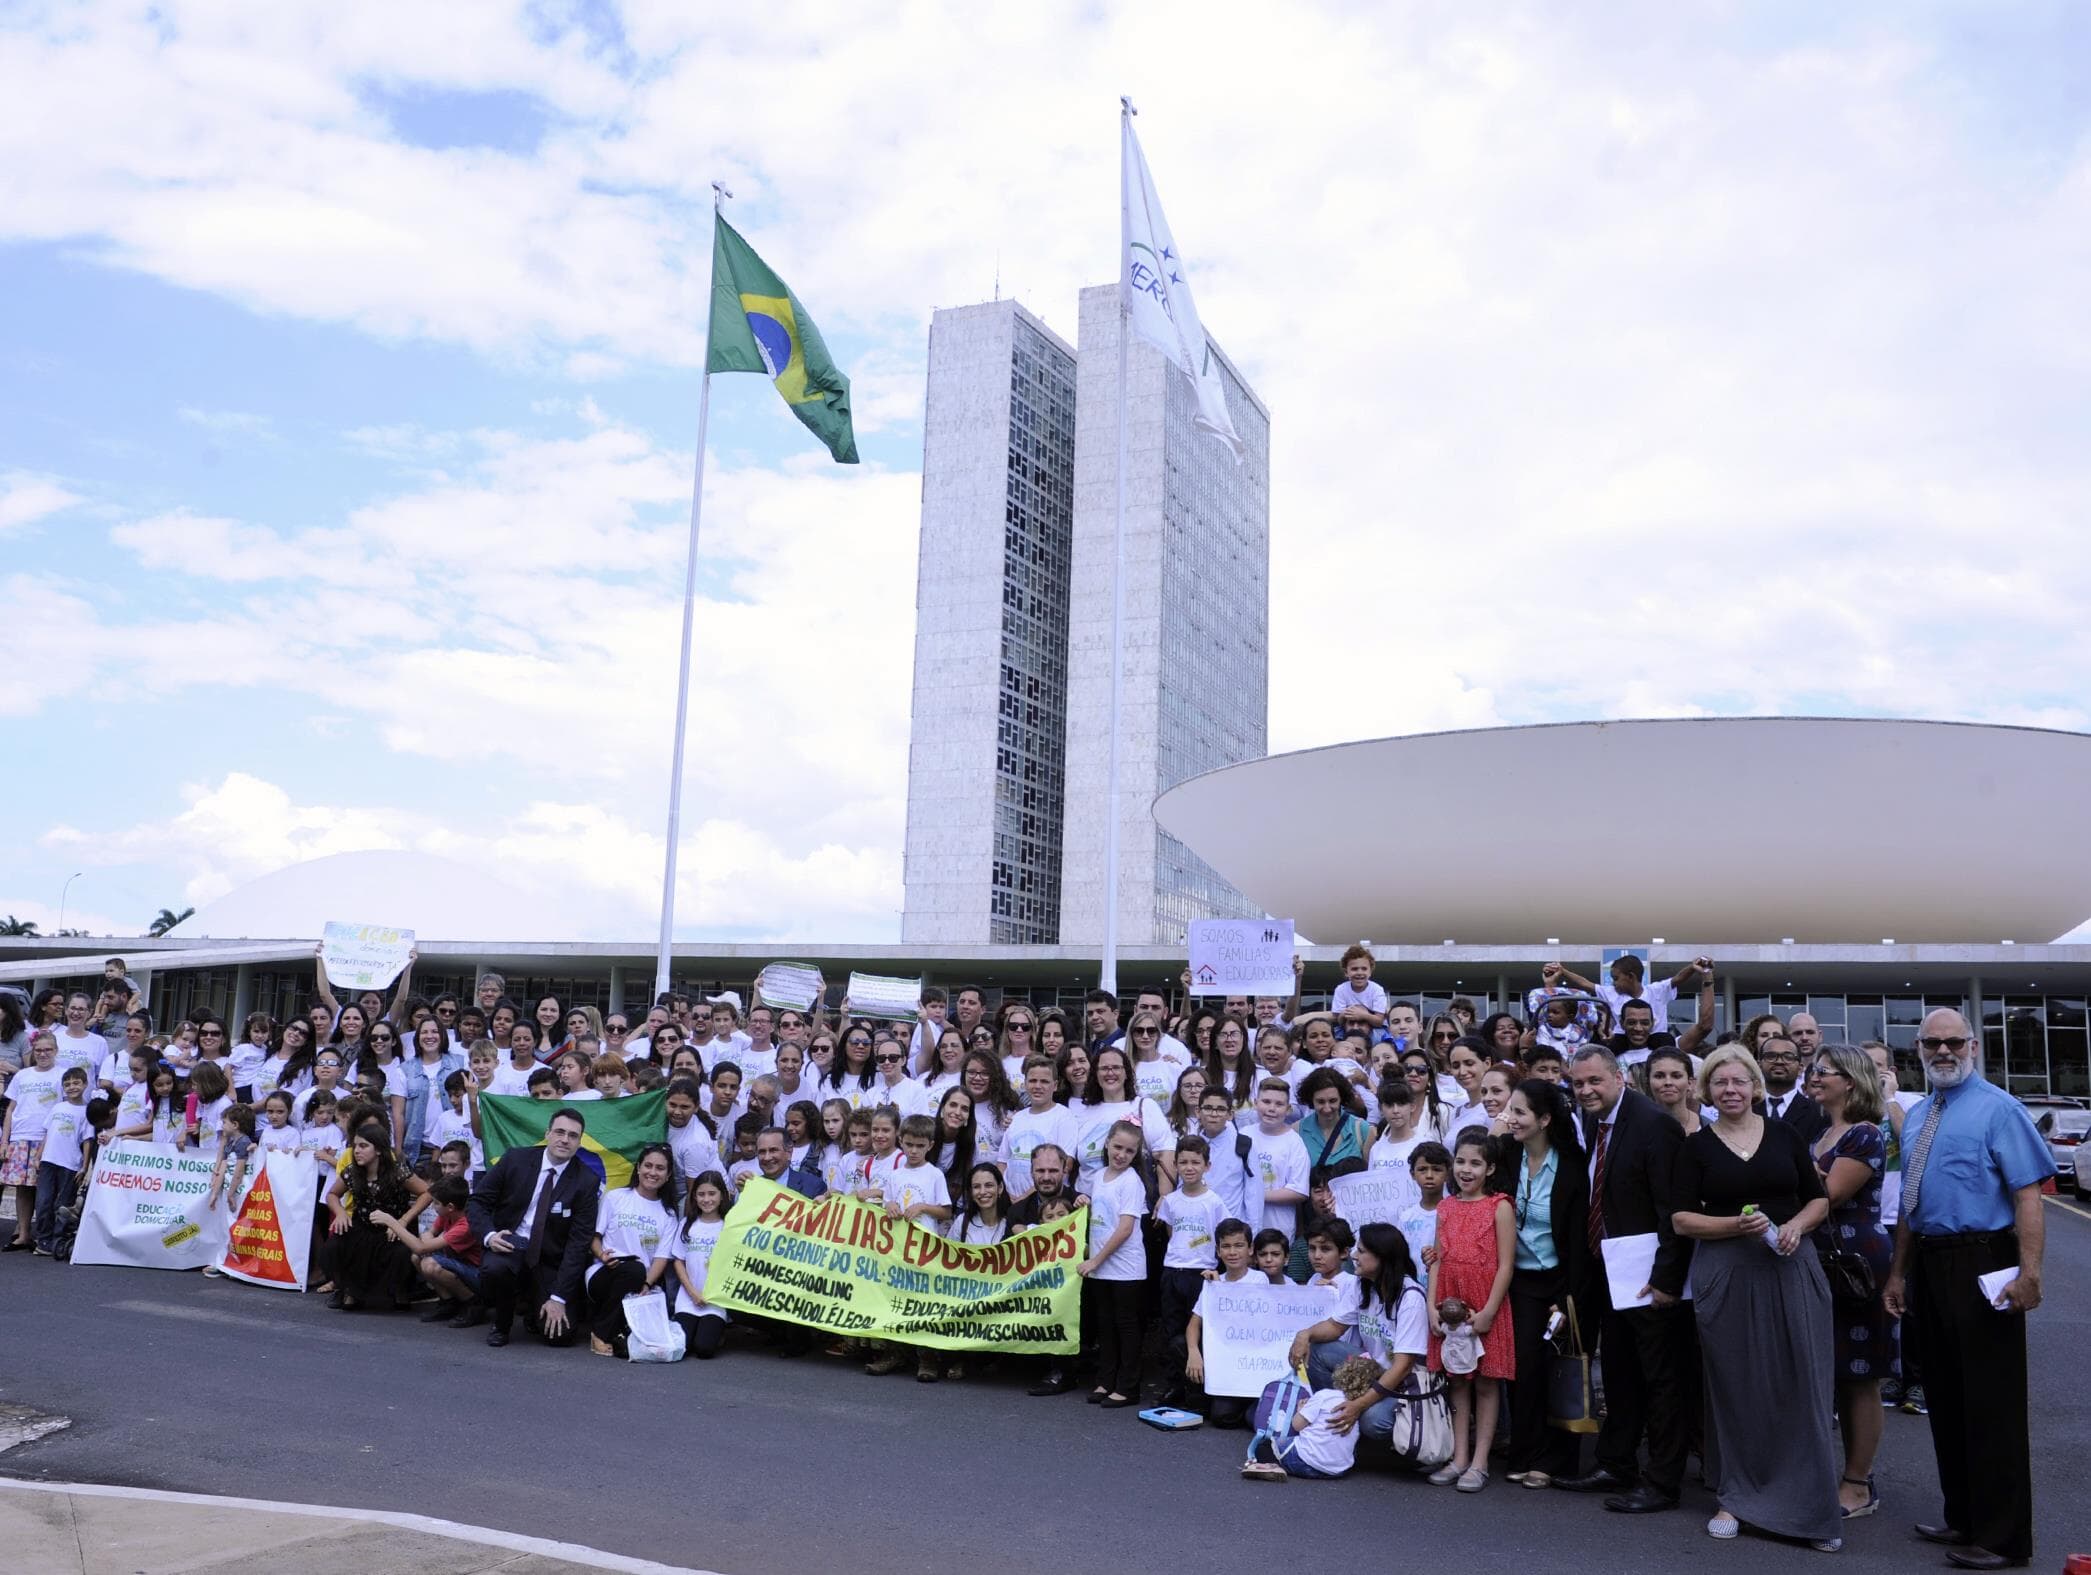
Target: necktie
(540, 1212)
(1919, 1151)
(1595, 1220)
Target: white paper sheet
(1993, 1285)
(1629, 1264)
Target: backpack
(1275, 1408)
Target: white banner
(875, 995)
(1241, 957)
(363, 956)
(271, 1232)
(793, 986)
(1248, 1329)
(1375, 1197)
(148, 1207)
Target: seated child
(1312, 1447)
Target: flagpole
(689, 608)
(1109, 979)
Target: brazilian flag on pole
(758, 326)
(617, 1128)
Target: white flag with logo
(1158, 295)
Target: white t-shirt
(322, 1137)
(135, 1107)
(1373, 998)
(1393, 1153)
(1656, 995)
(845, 1170)
(1318, 1444)
(450, 1126)
(739, 1172)
(1027, 1129)
(64, 1131)
(1094, 1123)
(1111, 1199)
(907, 1096)
(632, 1226)
(509, 1078)
(1156, 1079)
(907, 1185)
(580, 1095)
(1227, 1174)
(283, 1139)
(34, 1094)
(1279, 1163)
(1419, 1227)
(742, 1053)
(694, 1244)
(303, 1102)
(1192, 1222)
(976, 1234)
(268, 1077)
(89, 1050)
(247, 1061)
(207, 1118)
(1383, 1335)
(693, 1149)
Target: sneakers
(1724, 1527)
(1913, 1401)
(1262, 1471)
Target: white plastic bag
(655, 1337)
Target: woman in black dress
(1748, 1194)
(371, 1268)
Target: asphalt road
(751, 1464)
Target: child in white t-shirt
(1430, 1166)
(1277, 1157)
(1398, 1136)
(450, 1120)
(277, 1132)
(1231, 1244)
(58, 1165)
(1042, 1120)
(703, 1324)
(1192, 1215)
(913, 1189)
(210, 1096)
(1116, 1267)
(1357, 988)
(1313, 1447)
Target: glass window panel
(2069, 1070)
(1865, 1022)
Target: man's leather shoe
(1641, 1501)
(1974, 1558)
(1598, 1481)
(471, 1318)
(1944, 1535)
(497, 1337)
(1054, 1383)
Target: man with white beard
(1972, 1165)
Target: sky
(1638, 360)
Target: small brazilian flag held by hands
(758, 326)
(617, 1129)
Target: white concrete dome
(1739, 829)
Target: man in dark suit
(1781, 1057)
(534, 1214)
(773, 1159)
(1647, 1351)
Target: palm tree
(167, 920)
(14, 926)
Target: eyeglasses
(1953, 1042)
(1444, 1039)
(1795, 1055)
(616, 1028)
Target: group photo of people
(1755, 1247)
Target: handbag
(1571, 1397)
(654, 1336)
(1850, 1276)
(1422, 1431)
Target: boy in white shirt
(914, 1189)
(1429, 1166)
(1277, 1157)
(1357, 988)
(1191, 1214)
(694, 1149)
(58, 1170)
(1227, 1150)
(1231, 1244)
(1397, 1127)
(1043, 1120)
(454, 1120)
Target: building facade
(1195, 688)
(987, 739)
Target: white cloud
(229, 423)
(26, 498)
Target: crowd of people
(1812, 1234)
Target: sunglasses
(1147, 1033)
(212, 1033)
(889, 1060)
(1955, 1043)
(615, 1028)
(1018, 1028)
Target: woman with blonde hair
(1748, 1193)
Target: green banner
(839, 1264)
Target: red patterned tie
(1596, 1217)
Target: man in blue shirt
(1972, 1165)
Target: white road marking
(573, 1553)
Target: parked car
(2065, 1129)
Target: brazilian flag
(617, 1128)
(759, 326)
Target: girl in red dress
(1477, 1246)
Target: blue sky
(1651, 364)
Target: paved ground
(752, 1465)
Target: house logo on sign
(1205, 975)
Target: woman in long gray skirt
(1749, 1194)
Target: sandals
(1724, 1527)
(1472, 1481)
(1872, 1498)
(1262, 1471)
(1446, 1475)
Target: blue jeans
(1324, 1358)
(54, 1191)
